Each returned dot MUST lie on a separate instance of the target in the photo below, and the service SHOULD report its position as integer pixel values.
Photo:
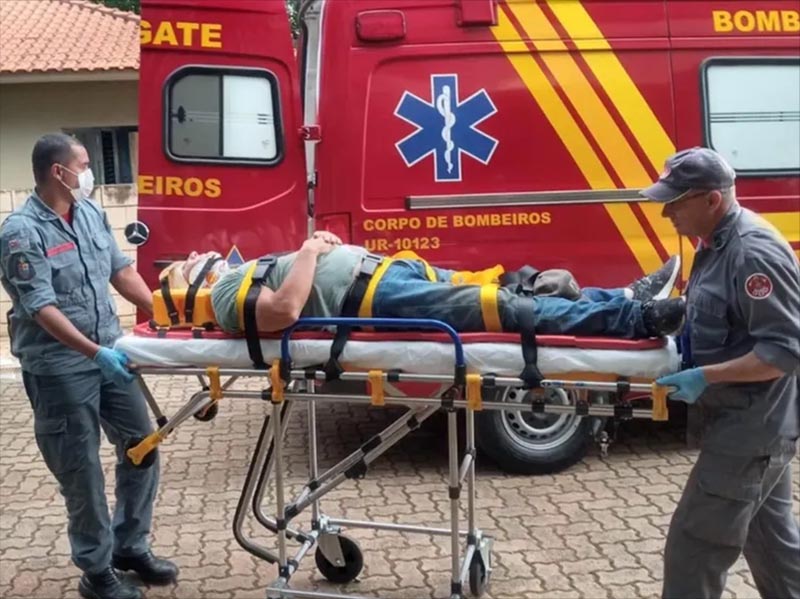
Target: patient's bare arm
(276, 310)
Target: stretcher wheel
(478, 576)
(353, 562)
(208, 414)
(148, 460)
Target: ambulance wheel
(478, 576)
(522, 442)
(353, 562)
(208, 414)
(148, 460)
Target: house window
(222, 115)
(112, 151)
(752, 113)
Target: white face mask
(219, 268)
(85, 184)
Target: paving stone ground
(596, 530)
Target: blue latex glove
(687, 385)
(114, 366)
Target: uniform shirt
(333, 277)
(45, 261)
(744, 295)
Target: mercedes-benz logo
(137, 233)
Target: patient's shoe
(657, 285)
(663, 317)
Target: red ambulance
(473, 132)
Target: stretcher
(463, 364)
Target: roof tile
(66, 36)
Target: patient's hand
(327, 236)
(318, 246)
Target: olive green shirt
(333, 276)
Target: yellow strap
(215, 388)
(411, 255)
(277, 382)
(365, 309)
(660, 411)
(375, 378)
(429, 272)
(242, 293)
(139, 452)
(489, 309)
(478, 277)
(474, 400)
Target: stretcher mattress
(420, 353)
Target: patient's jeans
(405, 292)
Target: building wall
(119, 201)
(29, 110)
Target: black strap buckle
(370, 263)
(264, 266)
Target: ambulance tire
(521, 442)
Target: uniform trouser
(734, 504)
(405, 292)
(69, 410)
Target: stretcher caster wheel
(478, 576)
(353, 562)
(148, 459)
(208, 414)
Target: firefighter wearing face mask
(57, 258)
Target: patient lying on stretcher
(325, 278)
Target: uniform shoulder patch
(23, 269)
(18, 244)
(758, 286)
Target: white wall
(119, 201)
(29, 110)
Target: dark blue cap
(695, 169)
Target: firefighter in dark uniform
(741, 353)
(57, 258)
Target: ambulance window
(752, 113)
(222, 115)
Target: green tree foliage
(129, 5)
(292, 7)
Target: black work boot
(151, 569)
(657, 285)
(663, 317)
(107, 585)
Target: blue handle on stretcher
(392, 323)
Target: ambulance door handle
(310, 133)
(477, 12)
(179, 114)
(381, 26)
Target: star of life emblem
(446, 128)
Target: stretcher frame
(338, 557)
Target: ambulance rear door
(221, 160)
